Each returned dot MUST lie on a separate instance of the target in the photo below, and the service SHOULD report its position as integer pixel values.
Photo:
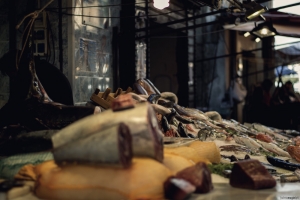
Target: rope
(33, 16)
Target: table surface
(224, 191)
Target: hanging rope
(33, 16)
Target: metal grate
(215, 4)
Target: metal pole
(194, 63)
(147, 41)
(60, 35)
(12, 35)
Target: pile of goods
(143, 145)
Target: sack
(238, 90)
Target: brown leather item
(251, 174)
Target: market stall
(145, 145)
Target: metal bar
(147, 40)
(192, 18)
(286, 6)
(12, 36)
(183, 20)
(194, 63)
(237, 53)
(60, 42)
(181, 29)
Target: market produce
(294, 151)
(207, 150)
(176, 163)
(177, 188)
(112, 146)
(197, 145)
(147, 85)
(142, 180)
(274, 148)
(265, 138)
(147, 139)
(188, 153)
(283, 164)
(250, 174)
(199, 175)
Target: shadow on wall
(163, 83)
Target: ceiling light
(247, 34)
(264, 29)
(161, 4)
(257, 40)
(254, 10)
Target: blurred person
(260, 102)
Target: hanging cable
(33, 16)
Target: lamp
(161, 4)
(254, 10)
(264, 29)
(247, 34)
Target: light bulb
(161, 4)
(264, 31)
(257, 40)
(246, 34)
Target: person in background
(260, 101)
(285, 94)
(266, 85)
(285, 107)
(290, 92)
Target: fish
(274, 148)
(265, 138)
(164, 124)
(169, 96)
(161, 109)
(147, 138)
(116, 140)
(213, 115)
(153, 98)
(269, 131)
(247, 141)
(175, 130)
(283, 164)
(191, 129)
(184, 119)
(294, 151)
(138, 98)
(181, 130)
(190, 113)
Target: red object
(294, 151)
(122, 102)
(264, 138)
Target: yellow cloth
(208, 150)
(142, 180)
(176, 163)
(188, 153)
